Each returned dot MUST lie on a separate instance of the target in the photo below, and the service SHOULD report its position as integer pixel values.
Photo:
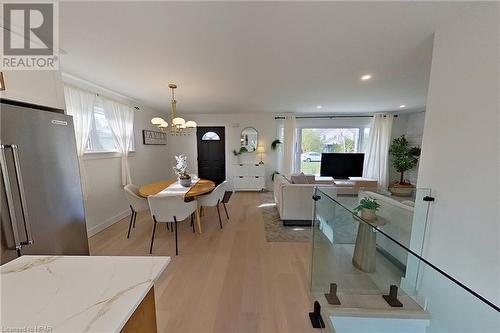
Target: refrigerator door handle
(22, 195)
(10, 203)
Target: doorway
(211, 153)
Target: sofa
(294, 199)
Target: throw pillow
(299, 179)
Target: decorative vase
(185, 181)
(368, 214)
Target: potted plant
(368, 208)
(180, 170)
(404, 158)
(238, 153)
(274, 144)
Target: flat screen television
(342, 165)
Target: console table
(249, 177)
(366, 245)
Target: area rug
(273, 225)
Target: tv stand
(350, 185)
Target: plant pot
(368, 214)
(186, 182)
(402, 190)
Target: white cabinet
(249, 177)
(37, 87)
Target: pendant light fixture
(179, 126)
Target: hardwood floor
(228, 280)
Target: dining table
(199, 188)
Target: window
(210, 136)
(314, 141)
(101, 138)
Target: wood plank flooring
(228, 280)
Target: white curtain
(80, 105)
(290, 129)
(376, 165)
(120, 118)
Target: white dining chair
(214, 199)
(169, 208)
(136, 202)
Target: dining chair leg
(192, 222)
(227, 215)
(218, 212)
(135, 218)
(171, 227)
(168, 228)
(176, 246)
(130, 223)
(153, 236)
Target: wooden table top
(203, 186)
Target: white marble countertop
(74, 293)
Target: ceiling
(257, 57)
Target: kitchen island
(80, 293)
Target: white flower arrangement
(181, 166)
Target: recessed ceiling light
(366, 77)
(319, 106)
(402, 106)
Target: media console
(350, 185)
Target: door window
(210, 136)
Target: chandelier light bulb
(178, 121)
(157, 121)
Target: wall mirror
(249, 138)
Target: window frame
(298, 150)
(90, 150)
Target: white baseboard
(107, 223)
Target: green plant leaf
(275, 144)
(404, 157)
(367, 203)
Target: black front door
(211, 153)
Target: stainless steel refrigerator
(41, 203)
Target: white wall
(460, 163)
(41, 87)
(233, 123)
(36, 87)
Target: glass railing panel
(409, 211)
(362, 259)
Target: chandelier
(179, 126)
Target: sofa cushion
(299, 179)
(311, 179)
